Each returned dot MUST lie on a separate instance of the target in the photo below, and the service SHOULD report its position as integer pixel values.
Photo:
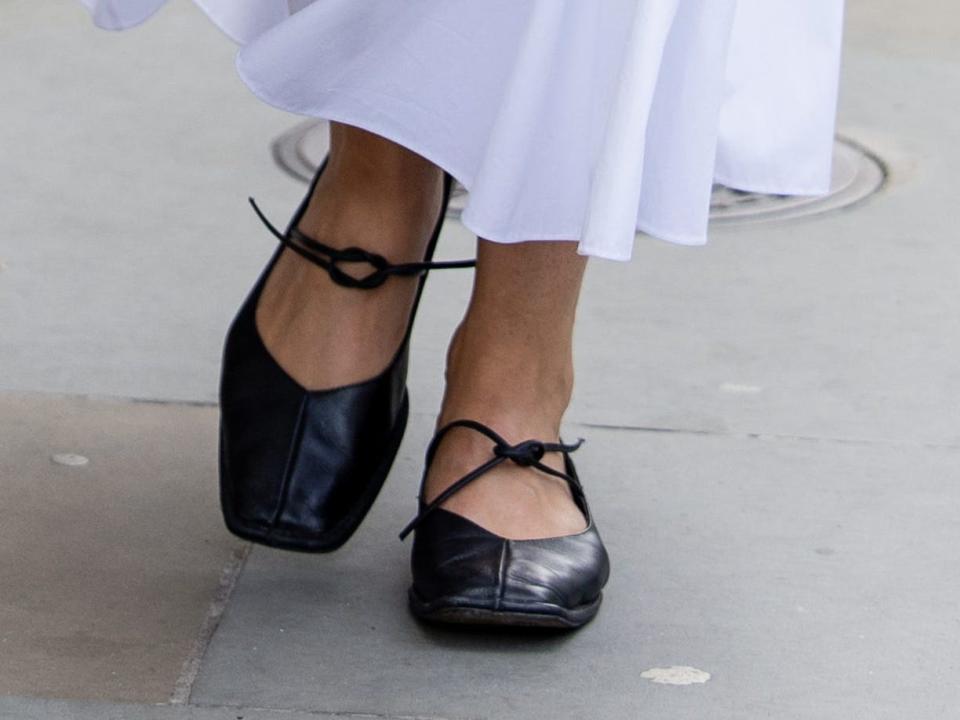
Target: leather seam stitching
(502, 576)
(292, 455)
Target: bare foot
(375, 195)
(501, 388)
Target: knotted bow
(528, 453)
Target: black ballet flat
(300, 469)
(465, 574)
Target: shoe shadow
(493, 638)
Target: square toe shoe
(463, 573)
(300, 469)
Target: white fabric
(565, 119)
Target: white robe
(581, 120)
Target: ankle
(512, 356)
(520, 390)
(382, 216)
(373, 174)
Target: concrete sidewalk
(773, 424)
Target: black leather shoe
(463, 573)
(299, 469)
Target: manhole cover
(857, 173)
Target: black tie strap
(528, 453)
(330, 258)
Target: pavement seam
(326, 713)
(769, 436)
(218, 604)
(119, 399)
(39, 707)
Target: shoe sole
(278, 537)
(448, 611)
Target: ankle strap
(329, 258)
(528, 453)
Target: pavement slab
(806, 577)
(129, 158)
(108, 567)
(25, 708)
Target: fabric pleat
(564, 119)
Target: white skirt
(582, 120)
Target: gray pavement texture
(28, 708)
(773, 423)
(108, 567)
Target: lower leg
(510, 366)
(373, 194)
